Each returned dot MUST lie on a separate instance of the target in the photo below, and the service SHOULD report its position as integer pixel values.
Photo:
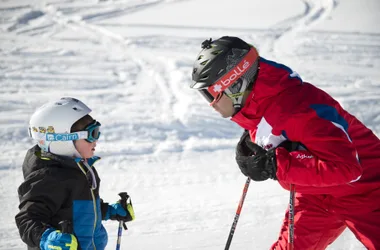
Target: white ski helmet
(57, 117)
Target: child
(61, 183)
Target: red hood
(273, 79)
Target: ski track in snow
(283, 42)
(117, 74)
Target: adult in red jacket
(310, 142)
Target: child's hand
(55, 239)
(121, 211)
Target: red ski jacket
(342, 155)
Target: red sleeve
(330, 159)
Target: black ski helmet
(217, 59)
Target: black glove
(257, 163)
(259, 167)
(242, 148)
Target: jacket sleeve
(41, 195)
(103, 208)
(330, 159)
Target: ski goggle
(234, 91)
(211, 96)
(93, 131)
(207, 95)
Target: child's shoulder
(37, 162)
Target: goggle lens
(207, 95)
(93, 131)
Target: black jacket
(58, 188)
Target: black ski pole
(236, 219)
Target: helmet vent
(70, 99)
(204, 62)
(217, 52)
(200, 57)
(220, 72)
(77, 108)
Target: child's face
(85, 149)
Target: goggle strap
(64, 136)
(234, 74)
(237, 101)
(82, 134)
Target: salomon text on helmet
(226, 65)
(50, 125)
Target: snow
(131, 61)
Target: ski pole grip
(123, 200)
(66, 227)
(124, 196)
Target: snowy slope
(131, 60)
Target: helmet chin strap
(237, 97)
(236, 111)
(237, 104)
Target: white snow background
(131, 62)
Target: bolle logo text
(303, 156)
(236, 73)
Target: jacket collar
(65, 160)
(272, 80)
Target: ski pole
(291, 218)
(236, 219)
(124, 197)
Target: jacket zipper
(94, 204)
